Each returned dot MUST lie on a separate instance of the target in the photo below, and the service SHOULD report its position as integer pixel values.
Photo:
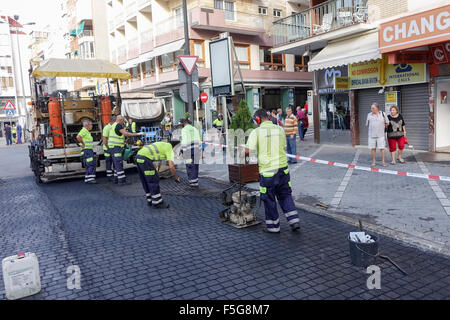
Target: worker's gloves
(177, 180)
(142, 133)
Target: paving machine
(54, 151)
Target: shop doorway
(335, 119)
(442, 115)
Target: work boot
(267, 231)
(295, 227)
(162, 205)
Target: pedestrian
(8, 134)
(301, 122)
(269, 141)
(280, 117)
(131, 125)
(148, 174)
(273, 117)
(116, 143)
(19, 134)
(191, 149)
(106, 151)
(218, 124)
(377, 121)
(291, 129)
(84, 137)
(14, 132)
(167, 125)
(306, 125)
(396, 133)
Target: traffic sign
(9, 106)
(188, 63)
(9, 113)
(184, 95)
(204, 97)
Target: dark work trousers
(193, 155)
(108, 160)
(91, 166)
(150, 180)
(277, 186)
(117, 159)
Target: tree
(240, 123)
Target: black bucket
(363, 254)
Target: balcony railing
(122, 54)
(146, 41)
(325, 17)
(120, 19)
(133, 48)
(131, 9)
(143, 3)
(86, 33)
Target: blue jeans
(300, 130)
(291, 148)
(8, 140)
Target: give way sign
(188, 63)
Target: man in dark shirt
(8, 134)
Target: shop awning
(81, 27)
(350, 50)
(73, 33)
(80, 68)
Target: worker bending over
(116, 143)
(191, 144)
(269, 141)
(106, 152)
(156, 151)
(84, 137)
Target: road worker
(107, 154)
(84, 137)
(116, 143)
(269, 141)
(145, 158)
(14, 132)
(191, 144)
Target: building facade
(351, 72)
(14, 65)
(146, 36)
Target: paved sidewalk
(412, 209)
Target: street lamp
(16, 17)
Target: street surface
(125, 250)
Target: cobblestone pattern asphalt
(126, 250)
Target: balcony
(321, 19)
(146, 41)
(122, 54)
(133, 48)
(169, 30)
(131, 10)
(111, 26)
(120, 19)
(144, 5)
(228, 21)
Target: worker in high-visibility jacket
(84, 137)
(131, 125)
(106, 152)
(269, 141)
(156, 151)
(191, 144)
(116, 143)
(14, 133)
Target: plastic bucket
(363, 254)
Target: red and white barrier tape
(368, 169)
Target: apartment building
(82, 41)
(146, 36)
(14, 85)
(350, 71)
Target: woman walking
(396, 133)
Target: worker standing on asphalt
(116, 143)
(269, 141)
(218, 124)
(14, 132)
(191, 144)
(131, 125)
(84, 137)
(156, 151)
(107, 154)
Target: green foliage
(243, 118)
(187, 115)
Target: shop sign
(400, 74)
(326, 78)
(364, 74)
(392, 98)
(421, 29)
(440, 53)
(341, 83)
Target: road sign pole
(187, 52)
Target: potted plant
(248, 172)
